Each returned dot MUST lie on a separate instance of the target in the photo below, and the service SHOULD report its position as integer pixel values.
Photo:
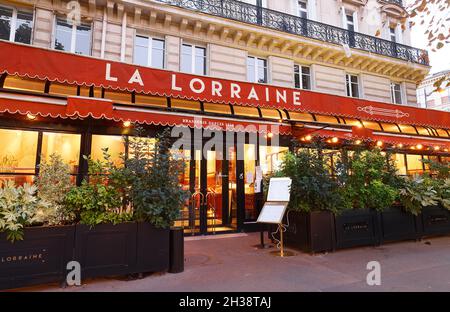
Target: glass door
(210, 177)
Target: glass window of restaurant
(18, 157)
(414, 164)
(64, 144)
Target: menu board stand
(275, 208)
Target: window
(262, 3)
(400, 164)
(302, 77)
(271, 158)
(350, 22)
(73, 38)
(414, 164)
(18, 157)
(149, 51)
(64, 144)
(193, 59)
(396, 93)
(303, 8)
(15, 25)
(114, 144)
(256, 70)
(352, 86)
(392, 34)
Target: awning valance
(385, 138)
(44, 64)
(103, 109)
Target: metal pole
(281, 240)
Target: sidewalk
(231, 263)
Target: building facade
(430, 96)
(76, 77)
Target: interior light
(308, 138)
(400, 145)
(419, 146)
(437, 148)
(379, 143)
(31, 116)
(270, 135)
(127, 124)
(334, 140)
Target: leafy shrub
(155, 191)
(367, 182)
(100, 198)
(19, 207)
(312, 186)
(53, 184)
(418, 193)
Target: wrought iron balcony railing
(256, 15)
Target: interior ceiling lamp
(379, 143)
(31, 116)
(127, 124)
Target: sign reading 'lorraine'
(219, 90)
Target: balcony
(251, 14)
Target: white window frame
(12, 31)
(150, 50)
(393, 96)
(73, 39)
(348, 81)
(299, 9)
(266, 68)
(345, 22)
(193, 47)
(255, 2)
(392, 35)
(300, 76)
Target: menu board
(272, 213)
(279, 190)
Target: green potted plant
(364, 180)
(33, 217)
(315, 197)
(105, 240)
(434, 197)
(155, 195)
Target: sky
(440, 60)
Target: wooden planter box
(152, 248)
(397, 224)
(40, 258)
(435, 221)
(357, 227)
(127, 248)
(311, 231)
(106, 249)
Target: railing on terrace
(256, 15)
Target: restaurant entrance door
(210, 176)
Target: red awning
(44, 64)
(77, 107)
(385, 138)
